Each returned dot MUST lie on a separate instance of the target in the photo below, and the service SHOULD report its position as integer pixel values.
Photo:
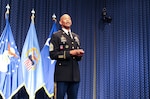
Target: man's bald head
(65, 21)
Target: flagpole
(55, 88)
(33, 15)
(7, 7)
(32, 20)
(7, 11)
(54, 17)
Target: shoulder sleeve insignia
(51, 48)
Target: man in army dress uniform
(65, 48)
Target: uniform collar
(66, 31)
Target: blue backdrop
(116, 61)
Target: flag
(32, 63)
(48, 64)
(11, 79)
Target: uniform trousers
(71, 88)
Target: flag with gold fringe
(48, 64)
(31, 61)
(11, 79)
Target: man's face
(65, 21)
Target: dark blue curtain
(116, 60)
(123, 50)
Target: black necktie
(69, 34)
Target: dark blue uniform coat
(67, 67)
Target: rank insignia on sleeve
(51, 48)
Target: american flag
(28, 64)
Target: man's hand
(77, 52)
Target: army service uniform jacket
(67, 67)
